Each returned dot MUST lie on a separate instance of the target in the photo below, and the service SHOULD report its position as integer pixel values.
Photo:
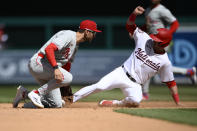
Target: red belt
(41, 55)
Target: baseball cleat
(36, 99)
(106, 103)
(145, 96)
(21, 94)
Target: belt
(41, 55)
(128, 75)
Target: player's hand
(139, 10)
(58, 75)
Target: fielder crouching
(47, 65)
(47, 100)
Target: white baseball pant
(115, 79)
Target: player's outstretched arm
(174, 91)
(137, 11)
(130, 25)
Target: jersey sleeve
(166, 73)
(140, 36)
(61, 40)
(167, 16)
(136, 34)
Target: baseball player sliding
(158, 16)
(148, 59)
(47, 65)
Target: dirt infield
(83, 116)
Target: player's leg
(52, 84)
(191, 72)
(108, 82)
(55, 96)
(133, 96)
(34, 66)
(51, 88)
(179, 70)
(131, 90)
(41, 70)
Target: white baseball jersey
(158, 17)
(65, 41)
(144, 63)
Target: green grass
(7, 93)
(185, 116)
(161, 93)
(157, 93)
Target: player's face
(89, 35)
(157, 47)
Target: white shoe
(21, 94)
(106, 103)
(36, 99)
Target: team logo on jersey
(142, 56)
(66, 53)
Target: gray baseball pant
(43, 73)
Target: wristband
(55, 67)
(132, 18)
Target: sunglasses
(94, 33)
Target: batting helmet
(163, 36)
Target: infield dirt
(86, 116)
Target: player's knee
(133, 100)
(67, 79)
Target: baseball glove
(48, 102)
(67, 94)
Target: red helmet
(163, 36)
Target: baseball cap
(89, 25)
